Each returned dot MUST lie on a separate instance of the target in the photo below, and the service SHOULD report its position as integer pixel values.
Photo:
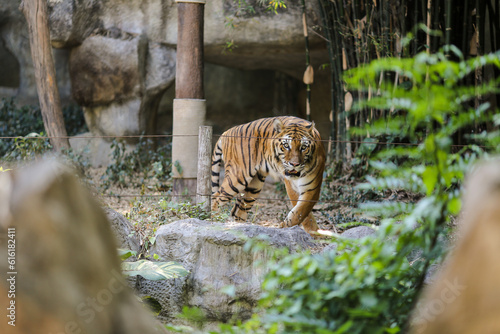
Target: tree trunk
(189, 70)
(35, 12)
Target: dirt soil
(141, 202)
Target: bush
(146, 158)
(369, 285)
(27, 120)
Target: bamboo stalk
(465, 30)
(333, 128)
(428, 23)
(494, 25)
(338, 12)
(415, 22)
(404, 6)
(369, 26)
(448, 22)
(479, 47)
(436, 5)
(383, 30)
(481, 25)
(494, 31)
(308, 84)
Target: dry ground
(148, 207)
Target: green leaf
(154, 271)
(430, 178)
(454, 206)
(368, 299)
(125, 253)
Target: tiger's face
(295, 153)
(295, 147)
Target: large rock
(123, 230)
(120, 82)
(123, 58)
(72, 21)
(104, 70)
(263, 40)
(17, 76)
(214, 254)
(64, 271)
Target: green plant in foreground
(369, 285)
(150, 270)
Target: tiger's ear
(311, 127)
(278, 125)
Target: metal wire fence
(227, 136)
(167, 195)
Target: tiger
(287, 146)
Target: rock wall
(116, 58)
(17, 77)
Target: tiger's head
(295, 146)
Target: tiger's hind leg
(229, 188)
(245, 202)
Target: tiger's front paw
(284, 224)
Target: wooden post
(35, 12)
(204, 184)
(190, 65)
(189, 104)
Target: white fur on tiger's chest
(298, 183)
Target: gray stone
(120, 83)
(96, 150)
(121, 118)
(72, 21)
(129, 59)
(263, 40)
(160, 68)
(15, 40)
(357, 232)
(123, 230)
(104, 70)
(214, 255)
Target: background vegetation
(359, 31)
(425, 82)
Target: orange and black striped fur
(287, 146)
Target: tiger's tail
(216, 165)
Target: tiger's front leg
(302, 208)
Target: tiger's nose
(294, 164)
